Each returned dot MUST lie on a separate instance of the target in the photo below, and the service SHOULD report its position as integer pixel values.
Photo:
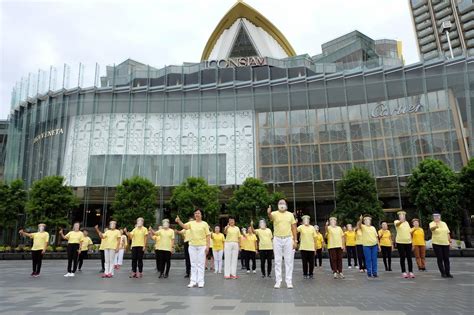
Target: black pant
(186, 257)
(442, 256)
(404, 250)
(242, 258)
(387, 257)
(307, 256)
(157, 260)
(249, 255)
(83, 256)
(37, 257)
(318, 257)
(137, 258)
(164, 261)
(351, 254)
(102, 259)
(360, 256)
(72, 255)
(266, 255)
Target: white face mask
(244, 231)
(41, 228)
(112, 225)
(166, 225)
(262, 224)
(282, 207)
(139, 223)
(306, 221)
(367, 221)
(76, 227)
(333, 223)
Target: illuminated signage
(47, 134)
(382, 110)
(236, 62)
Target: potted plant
(59, 249)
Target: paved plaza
(87, 293)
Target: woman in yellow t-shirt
(265, 248)
(74, 240)
(111, 245)
(164, 238)
(336, 245)
(419, 245)
(123, 247)
(386, 245)
(231, 249)
(371, 244)
(441, 240)
(350, 236)
(139, 236)
(249, 246)
(307, 246)
(319, 239)
(85, 247)
(217, 248)
(404, 244)
(360, 250)
(40, 243)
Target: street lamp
(445, 27)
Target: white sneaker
(215, 272)
(341, 276)
(277, 285)
(255, 271)
(248, 271)
(201, 285)
(67, 274)
(350, 267)
(289, 285)
(191, 285)
(71, 274)
(335, 275)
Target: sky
(36, 34)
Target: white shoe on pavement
(277, 285)
(191, 285)
(67, 274)
(289, 285)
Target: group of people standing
(362, 245)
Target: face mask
(41, 228)
(306, 221)
(139, 223)
(76, 227)
(282, 207)
(262, 224)
(244, 231)
(367, 222)
(112, 225)
(333, 223)
(166, 225)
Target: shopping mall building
(251, 107)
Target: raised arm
(126, 232)
(99, 232)
(269, 212)
(359, 223)
(251, 229)
(23, 233)
(181, 224)
(62, 235)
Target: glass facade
(293, 126)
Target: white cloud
(37, 34)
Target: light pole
(445, 27)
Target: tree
(135, 197)
(433, 187)
(12, 207)
(466, 180)
(50, 202)
(195, 193)
(357, 195)
(249, 201)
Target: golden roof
(243, 10)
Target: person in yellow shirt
(319, 239)
(139, 239)
(419, 245)
(284, 242)
(307, 246)
(218, 248)
(155, 238)
(200, 238)
(360, 250)
(123, 247)
(386, 245)
(74, 240)
(404, 243)
(40, 243)
(111, 239)
(249, 245)
(350, 237)
(370, 241)
(265, 248)
(165, 247)
(231, 249)
(186, 236)
(85, 247)
(336, 245)
(441, 240)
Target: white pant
(217, 259)
(109, 261)
(231, 254)
(119, 257)
(197, 255)
(283, 248)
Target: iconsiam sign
(236, 62)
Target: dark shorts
(209, 255)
